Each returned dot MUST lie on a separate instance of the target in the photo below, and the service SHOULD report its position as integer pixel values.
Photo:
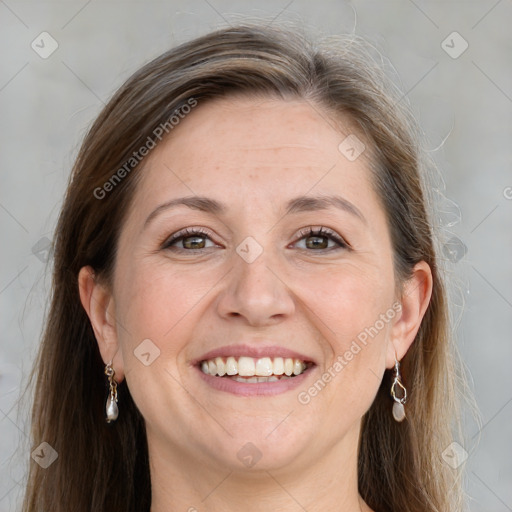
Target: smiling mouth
(250, 370)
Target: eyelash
(303, 233)
(324, 232)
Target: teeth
(221, 367)
(246, 367)
(265, 369)
(297, 367)
(246, 380)
(288, 366)
(231, 366)
(278, 366)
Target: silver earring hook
(398, 406)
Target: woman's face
(253, 237)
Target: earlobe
(98, 302)
(416, 294)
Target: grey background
(464, 105)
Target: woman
(248, 312)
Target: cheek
(347, 299)
(355, 307)
(158, 309)
(161, 303)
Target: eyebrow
(201, 203)
(297, 205)
(313, 203)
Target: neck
(328, 485)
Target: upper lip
(257, 352)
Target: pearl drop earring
(111, 408)
(398, 406)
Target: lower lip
(257, 388)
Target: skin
(254, 155)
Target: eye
(189, 239)
(317, 239)
(321, 239)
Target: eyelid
(184, 233)
(322, 231)
(302, 233)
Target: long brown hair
(104, 467)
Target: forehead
(234, 147)
(259, 126)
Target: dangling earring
(398, 406)
(111, 406)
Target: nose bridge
(253, 289)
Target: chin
(261, 444)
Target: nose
(255, 293)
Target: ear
(414, 300)
(98, 302)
